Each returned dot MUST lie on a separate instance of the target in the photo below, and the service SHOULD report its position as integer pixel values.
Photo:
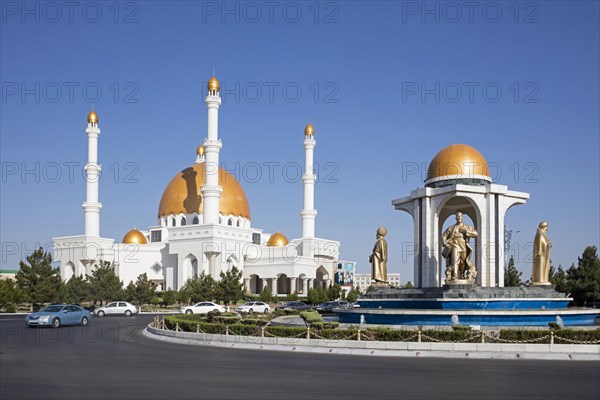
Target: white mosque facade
(204, 225)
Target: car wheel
(215, 310)
(55, 323)
(128, 313)
(189, 312)
(250, 311)
(266, 311)
(84, 321)
(101, 313)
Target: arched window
(238, 223)
(230, 222)
(173, 221)
(183, 221)
(196, 221)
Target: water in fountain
(560, 322)
(455, 320)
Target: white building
(204, 225)
(363, 281)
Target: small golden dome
(213, 85)
(182, 194)
(458, 159)
(309, 130)
(134, 237)
(277, 239)
(93, 117)
(200, 150)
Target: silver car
(117, 308)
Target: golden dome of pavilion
(458, 160)
(182, 194)
(92, 117)
(309, 130)
(277, 239)
(200, 150)
(213, 85)
(134, 237)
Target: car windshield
(53, 309)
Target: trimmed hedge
(326, 330)
(311, 316)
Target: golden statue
(378, 259)
(457, 251)
(540, 271)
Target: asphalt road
(110, 359)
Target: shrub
(10, 308)
(311, 316)
(285, 331)
(325, 325)
(254, 321)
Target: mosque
(204, 225)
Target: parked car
(203, 307)
(328, 306)
(254, 306)
(59, 314)
(117, 308)
(293, 305)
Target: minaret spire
(211, 191)
(91, 206)
(309, 178)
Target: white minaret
(211, 191)
(91, 206)
(309, 213)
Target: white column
(211, 191)
(91, 206)
(293, 286)
(274, 286)
(311, 283)
(304, 286)
(309, 178)
(247, 285)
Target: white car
(117, 308)
(254, 306)
(204, 307)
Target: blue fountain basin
(570, 317)
(467, 304)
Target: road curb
(411, 349)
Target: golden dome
(309, 130)
(93, 117)
(182, 194)
(458, 159)
(277, 239)
(200, 150)
(134, 237)
(213, 85)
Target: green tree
(317, 295)
(104, 283)
(334, 292)
(584, 280)
(512, 276)
(38, 281)
(143, 290)
(7, 292)
(266, 295)
(169, 297)
(353, 295)
(559, 279)
(409, 285)
(200, 288)
(230, 287)
(76, 290)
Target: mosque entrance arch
(322, 277)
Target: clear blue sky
(367, 60)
